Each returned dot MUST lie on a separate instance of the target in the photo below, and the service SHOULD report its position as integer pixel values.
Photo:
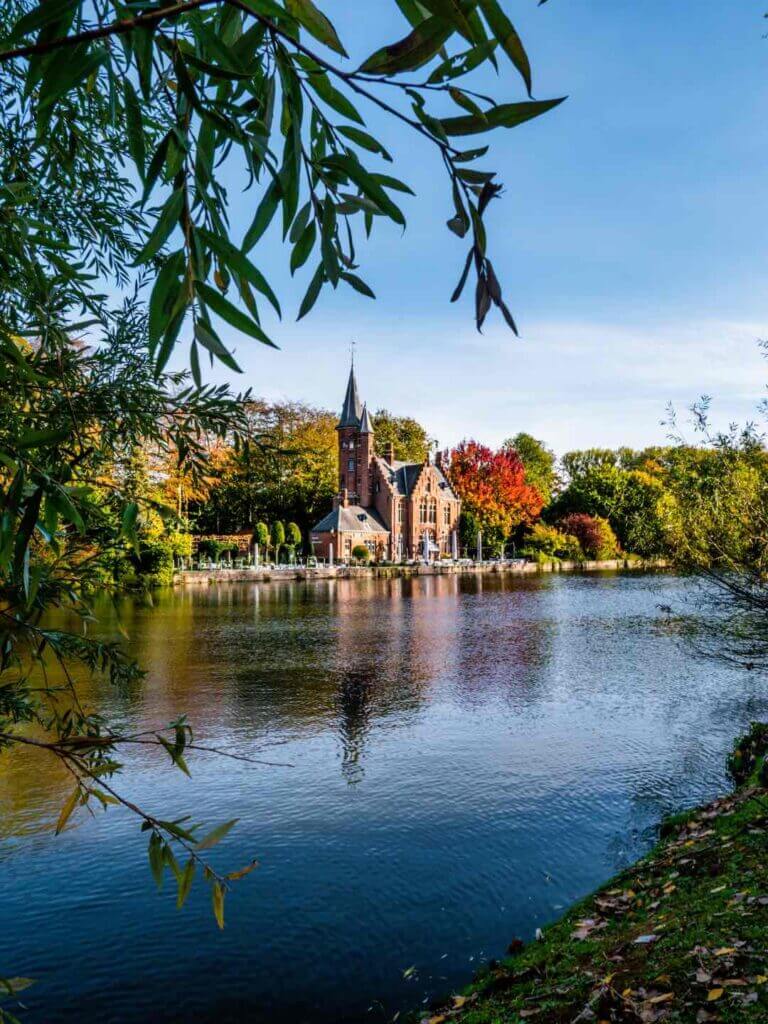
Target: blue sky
(629, 241)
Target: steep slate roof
(403, 476)
(353, 518)
(366, 424)
(351, 411)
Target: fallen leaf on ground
(714, 993)
(644, 939)
(725, 951)
(458, 1001)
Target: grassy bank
(682, 935)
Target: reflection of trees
(503, 643)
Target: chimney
(389, 452)
(439, 460)
(345, 498)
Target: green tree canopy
(277, 536)
(539, 462)
(293, 535)
(409, 439)
(261, 535)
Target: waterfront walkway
(266, 574)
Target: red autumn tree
(493, 489)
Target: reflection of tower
(354, 706)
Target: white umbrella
(479, 546)
(426, 546)
(455, 546)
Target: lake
(459, 759)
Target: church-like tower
(355, 435)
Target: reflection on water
(468, 756)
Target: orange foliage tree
(493, 490)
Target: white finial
(352, 353)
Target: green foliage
(361, 553)
(292, 535)
(286, 466)
(277, 538)
(261, 536)
(155, 563)
(624, 487)
(257, 85)
(548, 541)
(409, 439)
(539, 463)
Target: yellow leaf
(714, 993)
(458, 1001)
(234, 875)
(437, 1020)
(67, 809)
(218, 903)
(662, 999)
(725, 951)
(761, 979)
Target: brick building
(396, 509)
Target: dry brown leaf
(662, 999)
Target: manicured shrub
(292, 535)
(361, 553)
(277, 538)
(261, 536)
(594, 534)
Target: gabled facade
(398, 510)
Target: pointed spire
(366, 426)
(351, 410)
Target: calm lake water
(469, 755)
